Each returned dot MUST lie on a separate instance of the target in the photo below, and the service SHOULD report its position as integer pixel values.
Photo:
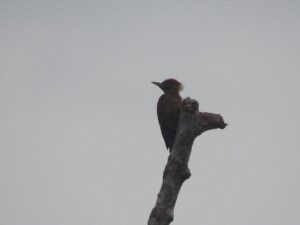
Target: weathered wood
(191, 124)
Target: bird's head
(170, 86)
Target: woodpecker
(168, 109)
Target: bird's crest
(181, 87)
(173, 82)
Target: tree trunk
(190, 125)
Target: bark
(190, 125)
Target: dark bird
(168, 109)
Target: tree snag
(191, 124)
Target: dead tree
(191, 124)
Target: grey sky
(79, 139)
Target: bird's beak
(157, 83)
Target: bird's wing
(165, 130)
(168, 119)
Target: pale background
(79, 139)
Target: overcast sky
(79, 139)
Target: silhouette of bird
(168, 109)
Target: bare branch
(190, 125)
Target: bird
(168, 109)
